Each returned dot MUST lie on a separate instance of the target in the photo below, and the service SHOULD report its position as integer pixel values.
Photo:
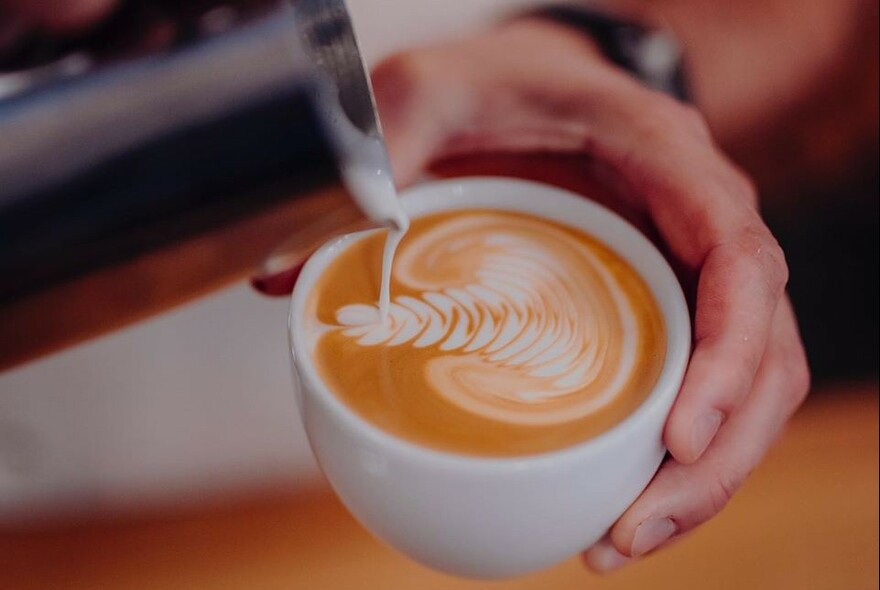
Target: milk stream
(367, 173)
(392, 241)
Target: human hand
(535, 99)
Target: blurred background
(170, 454)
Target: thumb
(418, 113)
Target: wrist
(634, 41)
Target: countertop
(807, 519)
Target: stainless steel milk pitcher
(176, 147)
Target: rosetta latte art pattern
(526, 324)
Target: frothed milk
(367, 173)
(505, 334)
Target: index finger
(705, 212)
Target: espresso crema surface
(506, 334)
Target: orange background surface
(807, 519)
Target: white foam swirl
(530, 325)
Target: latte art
(527, 314)
(505, 334)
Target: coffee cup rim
(494, 193)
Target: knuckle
(801, 383)
(797, 377)
(673, 112)
(695, 121)
(668, 124)
(775, 264)
(653, 132)
(732, 382)
(410, 73)
(407, 82)
(742, 378)
(722, 488)
(431, 80)
(664, 104)
(744, 187)
(396, 71)
(659, 116)
(757, 245)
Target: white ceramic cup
(493, 517)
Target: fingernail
(651, 534)
(704, 431)
(279, 283)
(603, 558)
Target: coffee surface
(506, 334)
